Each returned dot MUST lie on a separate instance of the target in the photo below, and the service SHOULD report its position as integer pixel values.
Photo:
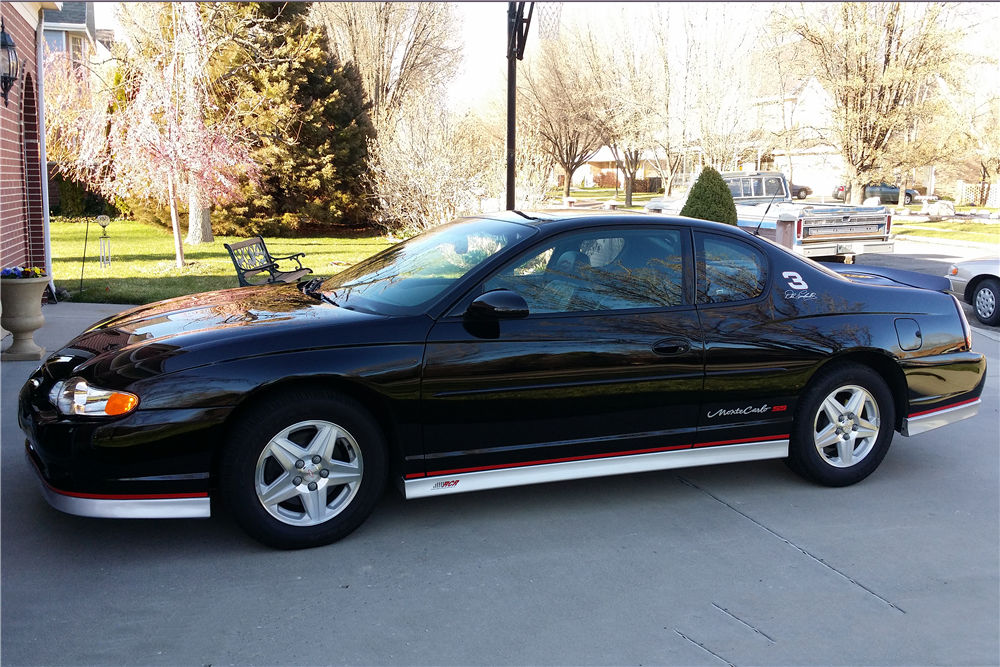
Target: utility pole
(517, 35)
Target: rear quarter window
(728, 269)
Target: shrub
(75, 200)
(606, 179)
(710, 199)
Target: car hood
(214, 327)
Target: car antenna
(756, 232)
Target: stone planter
(22, 315)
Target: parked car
(496, 351)
(800, 191)
(886, 193)
(977, 281)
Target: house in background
(72, 30)
(23, 219)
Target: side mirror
(500, 304)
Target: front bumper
(149, 464)
(101, 506)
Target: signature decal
(792, 294)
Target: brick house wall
(22, 237)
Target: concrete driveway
(742, 564)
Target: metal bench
(255, 265)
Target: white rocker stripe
(933, 420)
(481, 480)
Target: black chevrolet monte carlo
(495, 351)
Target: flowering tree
(152, 130)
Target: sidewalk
(63, 322)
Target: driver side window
(599, 271)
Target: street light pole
(517, 34)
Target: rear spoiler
(888, 276)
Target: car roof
(558, 219)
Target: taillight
(798, 229)
(888, 223)
(966, 329)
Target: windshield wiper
(523, 215)
(312, 288)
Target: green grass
(143, 266)
(603, 194)
(979, 232)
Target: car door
(749, 371)
(607, 363)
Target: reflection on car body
(490, 352)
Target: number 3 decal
(795, 280)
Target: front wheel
(303, 469)
(843, 427)
(985, 301)
(907, 199)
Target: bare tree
(623, 74)
(434, 166)
(725, 81)
(784, 73)
(876, 61)
(559, 98)
(667, 150)
(401, 49)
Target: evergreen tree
(710, 199)
(312, 131)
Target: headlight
(75, 397)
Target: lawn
(603, 194)
(143, 268)
(981, 232)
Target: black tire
(801, 194)
(834, 464)
(986, 302)
(312, 424)
(907, 199)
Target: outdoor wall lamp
(9, 64)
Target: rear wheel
(907, 198)
(802, 194)
(843, 427)
(986, 302)
(303, 469)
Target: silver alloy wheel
(308, 473)
(986, 303)
(846, 426)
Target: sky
(483, 36)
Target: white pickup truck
(764, 203)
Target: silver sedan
(977, 281)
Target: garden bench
(252, 259)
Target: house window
(55, 41)
(76, 50)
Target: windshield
(405, 278)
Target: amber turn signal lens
(119, 404)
